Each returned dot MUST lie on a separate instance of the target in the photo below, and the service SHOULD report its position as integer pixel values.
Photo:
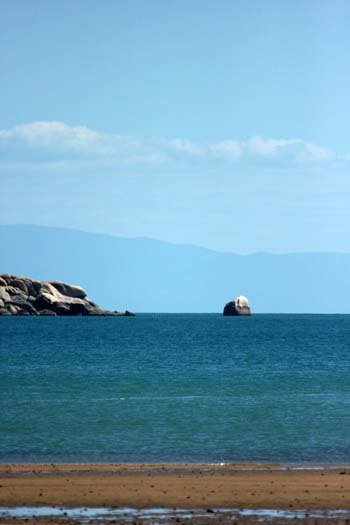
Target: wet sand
(250, 486)
(184, 486)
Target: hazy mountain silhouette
(148, 275)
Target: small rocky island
(238, 306)
(25, 296)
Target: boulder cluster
(238, 306)
(24, 296)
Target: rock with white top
(238, 306)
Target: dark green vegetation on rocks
(25, 296)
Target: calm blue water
(175, 388)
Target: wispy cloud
(51, 140)
(298, 149)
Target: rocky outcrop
(238, 306)
(24, 296)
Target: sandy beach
(186, 486)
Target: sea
(175, 388)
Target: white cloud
(299, 149)
(313, 152)
(182, 146)
(228, 149)
(53, 140)
(51, 134)
(266, 147)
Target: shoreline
(176, 485)
(103, 466)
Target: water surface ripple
(172, 388)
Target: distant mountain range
(146, 275)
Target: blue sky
(223, 124)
